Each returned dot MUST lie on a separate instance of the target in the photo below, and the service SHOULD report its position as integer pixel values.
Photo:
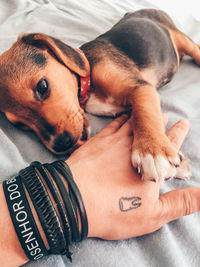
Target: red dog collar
(84, 86)
(84, 90)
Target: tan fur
(110, 80)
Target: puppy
(41, 79)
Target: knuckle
(187, 202)
(162, 212)
(173, 138)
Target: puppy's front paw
(155, 159)
(183, 171)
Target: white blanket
(176, 244)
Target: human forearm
(11, 252)
(33, 185)
(118, 203)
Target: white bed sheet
(177, 244)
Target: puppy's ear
(75, 61)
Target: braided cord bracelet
(45, 210)
(65, 220)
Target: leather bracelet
(45, 210)
(23, 220)
(59, 233)
(73, 200)
(65, 171)
(67, 201)
(48, 180)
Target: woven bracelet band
(58, 201)
(45, 210)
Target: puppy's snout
(63, 142)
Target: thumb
(178, 203)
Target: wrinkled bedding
(176, 244)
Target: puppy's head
(39, 88)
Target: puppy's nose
(63, 142)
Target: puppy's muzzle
(63, 142)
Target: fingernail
(165, 116)
(186, 122)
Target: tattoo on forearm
(129, 203)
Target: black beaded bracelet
(23, 220)
(45, 210)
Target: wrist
(81, 178)
(12, 253)
(12, 249)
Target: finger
(126, 128)
(114, 125)
(165, 119)
(178, 133)
(177, 203)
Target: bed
(177, 244)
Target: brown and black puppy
(40, 77)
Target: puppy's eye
(42, 90)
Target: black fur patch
(38, 59)
(29, 39)
(139, 40)
(70, 52)
(66, 49)
(143, 41)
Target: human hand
(119, 204)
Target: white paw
(160, 168)
(183, 171)
(154, 168)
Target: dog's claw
(181, 156)
(138, 170)
(168, 178)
